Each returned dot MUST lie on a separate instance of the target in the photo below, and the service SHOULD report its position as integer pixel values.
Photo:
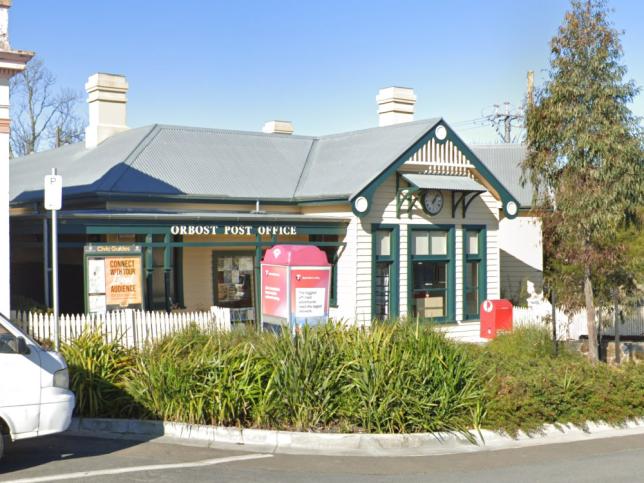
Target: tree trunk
(590, 317)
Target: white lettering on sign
(238, 230)
(264, 230)
(272, 293)
(309, 302)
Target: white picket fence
(132, 328)
(572, 327)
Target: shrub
(527, 387)
(396, 377)
(407, 379)
(97, 373)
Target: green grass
(391, 378)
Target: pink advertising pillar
(296, 285)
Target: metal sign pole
(53, 202)
(54, 273)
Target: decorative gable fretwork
(437, 157)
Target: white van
(35, 399)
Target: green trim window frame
(474, 270)
(385, 271)
(431, 273)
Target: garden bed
(394, 378)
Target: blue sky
(237, 64)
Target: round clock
(433, 201)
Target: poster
(309, 302)
(274, 291)
(96, 276)
(310, 295)
(97, 304)
(123, 281)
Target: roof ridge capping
(431, 120)
(232, 131)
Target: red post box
(496, 315)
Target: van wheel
(1, 444)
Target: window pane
(438, 242)
(472, 302)
(430, 275)
(472, 275)
(431, 305)
(383, 243)
(420, 243)
(382, 290)
(430, 289)
(472, 242)
(235, 285)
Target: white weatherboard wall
(5, 294)
(11, 62)
(521, 252)
(482, 211)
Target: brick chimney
(107, 99)
(395, 105)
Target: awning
(444, 182)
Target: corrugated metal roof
(504, 160)
(341, 165)
(439, 181)
(83, 170)
(177, 160)
(219, 164)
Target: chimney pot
(107, 99)
(395, 105)
(278, 127)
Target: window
(429, 242)
(431, 273)
(474, 271)
(385, 271)
(332, 258)
(234, 283)
(162, 282)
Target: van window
(6, 338)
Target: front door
(234, 284)
(19, 383)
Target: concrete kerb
(334, 444)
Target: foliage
(527, 386)
(97, 373)
(585, 159)
(393, 378)
(396, 378)
(41, 117)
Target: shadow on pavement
(30, 453)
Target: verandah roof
(444, 182)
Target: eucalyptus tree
(585, 158)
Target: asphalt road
(67, 458)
